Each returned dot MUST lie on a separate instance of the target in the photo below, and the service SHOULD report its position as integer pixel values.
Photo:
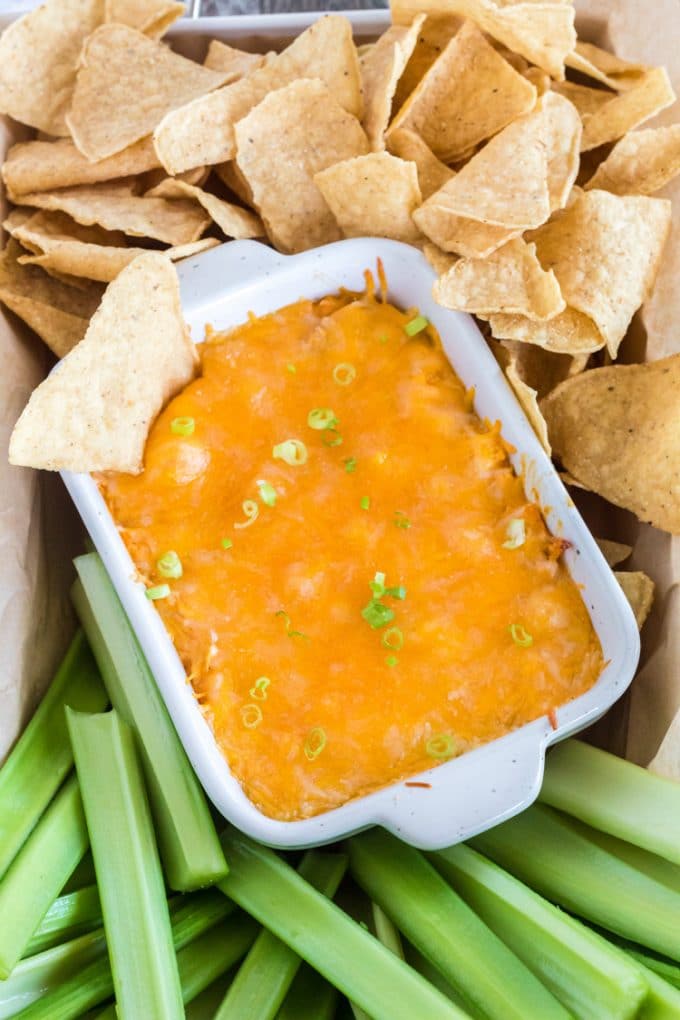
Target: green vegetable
(159, 591)
(416, 325)
(663, 1000)
(182, 426)
(83, 875)
(310, 998)
(615, 796)
(39, 871)
(593, 980)
(42, 974)
(386, 931)
(42, 757)
(489, 977)
(268, 971)
(129, 876)
(170, 565)
(326, 937)
(548, 852)
(71, 915)
(190, 850)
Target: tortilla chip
(60, 330)
(440, 260)
(651, 94)
(43, 230)
(574, 483)
(432, 173)
(469, 94)
(381, 69)
(641, 163)
(616, 430)
(231, 219)
(135, 356)
(639, 590)
(38, 59)
(153, 17)
(293, 134)
(237, 63)
(232, 178)
(105, 263)
(570, 332)
(433, 38)
(198, 176)
(372, 195)
(542, 370)
(465, 237)
(511, 280)
(105, 206)
(539, 79)
(605, 250)
(202, 132)
(46, 166)
(586, 100)
(528, 399)
(126, 84)
(614, 552)
(605, 67)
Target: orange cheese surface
(313, 703)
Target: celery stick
(667, 970)
(205, 1005)
(327, 938)
(548, 852)
(389, 936)
(35, 876)
(71, 915)
(663, 1000)
(436, 978)
(129, 877)
(593, 980)
(658, 868)
(309, 998)
(489, 977)
(42, 756)
(41, 974)
(614, 795)
(266, 974)
(83, 875)
(189, 847)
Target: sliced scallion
(291, 451)
(365, 503)
(377, 615)
(315, 742)
(321, 418)
(251, 512)
(350, 465)
(520, 635)
(416, 325)
(393, 638)
(401, 520)
(267, 492)
(251, 715)
(182, 426)
(158, 591)
(331, 437)
(344, 373)
(170, 565)
(226, 543)
(516, 533)
(259, 688)
(442, 745)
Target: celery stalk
(35, 876)
(389, 936)
(488, 976)
(42, 757)
(309, 998)
(663, 1000)
(71, 915)
(189, 847)
(39, 975)
(614, 795)
(658, 868)
(129, 877)
(552, 855)
(327, 938)
(205, 1005)
(266, 974)
(83, 875)
(590, 978)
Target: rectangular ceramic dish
(487, 785)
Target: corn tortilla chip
(198, 176)
(238, 63)
(440, 260)
(528, 399)
(231, 176)
(511, 280)
(46, 166)
(434, 35)
(38, 59)
(381, 69)
(614, 552)
(641, 163)
(605, 250)
(104, 263)
(469, 94)
(60, 330)
(44, 230)
(202, 132)
(570, 332)
(465, 237)
(231, 219)
(542, 370)
(586, 100)
(605, 67)
(293, 134)
(126, 84)
(651, 94)
(135, 356)
(539, 79)
(152, 17)
(104, 205)
(639, 590)
(372, 195)
(432, 173)
(616, 430)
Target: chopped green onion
(440, 746)
(516, 532)
(377, 615)
(365, 503)
(159, 591)
(226, 543)
(292, 451)
(331, 437)
(393, 638)
(251, 511)
(520, 636)
(315, 743)
(286, 617)
(321, 418)
(416, 325)
(267, 492)
(401, 520)
(298, 633)
(397, 593)
(182, 426)
(391, 661)
(291, 368)
(259, 688)
(170, 565)
(344, 373)
(377, 585)
(251, 716)
(350, 465)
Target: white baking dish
(487, 785)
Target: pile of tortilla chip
(481, 131)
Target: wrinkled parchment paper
(39, 533)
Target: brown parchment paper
(39, 532)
